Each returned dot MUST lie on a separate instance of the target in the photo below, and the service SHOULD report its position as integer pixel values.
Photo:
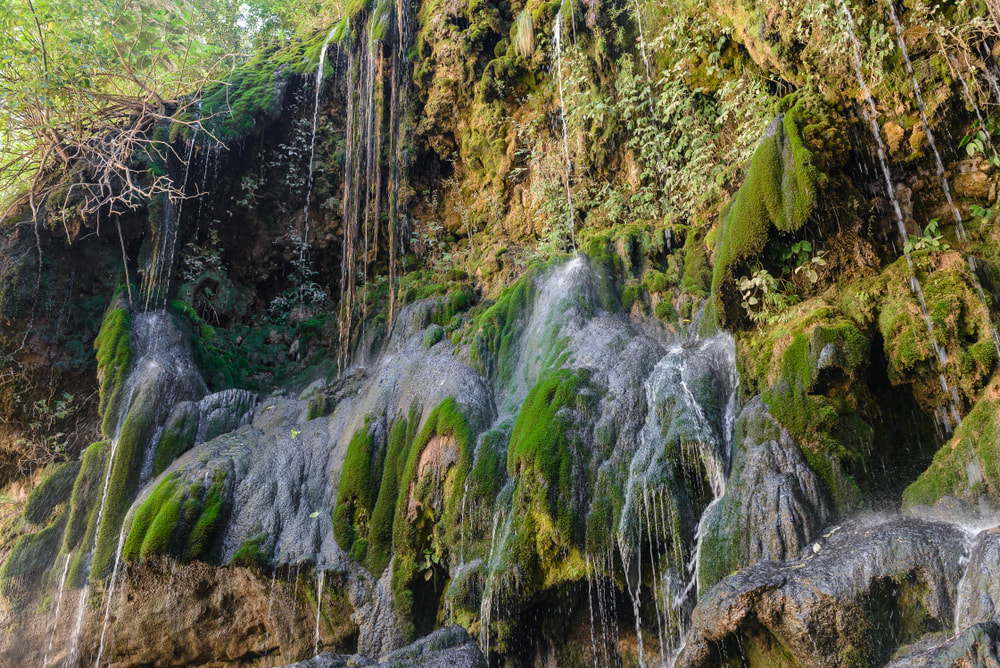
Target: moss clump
(811, 370)
(178, 435)
(968, 465)
(84, 506)
(177, 520)
(253, 553)
(425, 521)
(31, 556)
(214, 360)
(543, 440)
(779, 191)
(356, 494)
(54, 489)
(497, 330)
(380, 536)
(433, 335)
(114, 352)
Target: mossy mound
(779, 193)
(966, 467)
(961, 325)
(497, 330)
(54, 489)
(178, 520)
(812, 371)
(114, 352)
(399, 496)
(85, 502)
(31, 557)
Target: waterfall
(870, 114)
(318, 85)
(565, 140)
(319, 607)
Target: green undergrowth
(179, 520)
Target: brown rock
(918, 139)
(894, 134)
(974, 185)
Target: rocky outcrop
(774, 505)
(863, 589)
(979, 591)
(450, 647)
(976, 647)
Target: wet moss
(967, 466)
(178, 435)
(401, 438)
(55, 488)
(254, 552)
(177, 520)
(114, 352)
(357, 493)
(31, 556)
(543, 440)
(494, 346)
(85, 502)
(779, 192)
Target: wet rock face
(976, 647)
(979, 591)
(449, 647)
(863, 590)
(775, 504)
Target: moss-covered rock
(114, 353)
(54, 489)
(779, 193)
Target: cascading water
(870, 113)
(319, 607)
(571, 216)
(318, 85)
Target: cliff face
(613, 334)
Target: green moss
(215, 361)
(542, 440)
(967, 466)
(434, 498)
(779, 192)
(114, 352)
(697, 276)
(177, 520)
(178, 435)
(205, 531)
(494, 346)
(54, 489)
(357, 493)
(84, 506)
(380, 536)
(254, 552)
(433, 335)
(31, 556)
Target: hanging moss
(779, 191)
(356, 494)
(178, 520)
(380, 536)
(493, 352)
(84, 506)
(31, 556)
(542, 440)
(254, 552)
(178, 435)
(114, 352)
(434, 498)
(55, 488)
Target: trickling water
(959, 227)
(55, 621)
(493, 564)
(562, 116)
(109, 597)
(312, 144)
(74, 643)
(319, 607)
(870, 113)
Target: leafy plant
(930, 240)
(763, 296)
(979, 143)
